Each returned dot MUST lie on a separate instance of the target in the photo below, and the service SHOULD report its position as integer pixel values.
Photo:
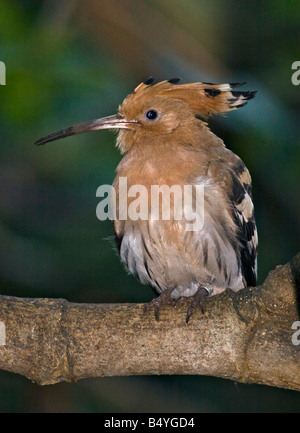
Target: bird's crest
(203, 98)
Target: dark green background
(71, 61)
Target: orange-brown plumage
(165, 140)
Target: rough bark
(245, 337)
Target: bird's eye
(151, 115)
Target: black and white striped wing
(243, 214)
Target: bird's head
(160, 112)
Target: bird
(165, 139)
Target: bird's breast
(155, 242)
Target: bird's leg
(163, 298)
(198, 299)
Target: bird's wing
(234, 179)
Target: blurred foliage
(70, 61)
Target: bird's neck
(169, 162)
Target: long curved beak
(110, 122)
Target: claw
(163, 298)
(198, 299)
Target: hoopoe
(165, 139)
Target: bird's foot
(163, 299)
(198, 299)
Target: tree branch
(246, 337)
